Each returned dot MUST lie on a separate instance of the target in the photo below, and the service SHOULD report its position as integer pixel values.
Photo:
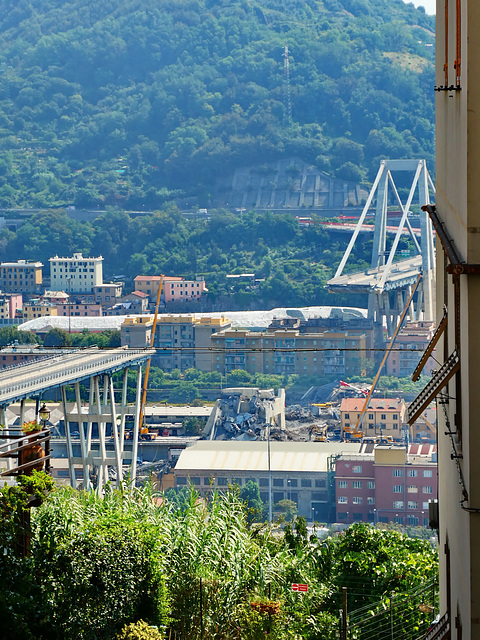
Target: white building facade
(76, 274)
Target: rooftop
(294, 457)
(375, 404)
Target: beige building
(76, 274)
(383, 417)
(300, 471)
(21, 276)
(31, 310)
(287, 351)
(136, 332)
(183, 341)
(108, 293)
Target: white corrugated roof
(252, 456)
(240, 319)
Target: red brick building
(387, 485)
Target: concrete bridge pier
(103, 408)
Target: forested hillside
(292, 261)
(131, 103)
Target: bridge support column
(96, 456)
(68, 437)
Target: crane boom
(152, 340)
(356, 433)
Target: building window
(397, 473)
(181, 480)
(398, 488)
(427, 490)
(412, 489)
(277, 496)
(398, 504)
(278, 482)
(370, 500)
(263, 482)
(371, 484)
(383, 416)
(357, 500)
(293, 482)
(412, 505)
(427, 473)
(347, 416)
(342, 515)
(342, 500)
(357, 469)
(195, 481)
(320, 483)
(342, 484)
(306, 482)
(222, 482)
(425, 505)
(357, 484)
(412, 473)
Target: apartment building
(388, 484)
(136, 332)
(183, 341)
(21, 277)
(383, 417)
(287, 351)
(76, 274)
(9, 303)
(79, 309)
(409, 346)
(108, 293)
(174, 289)
(37, 309)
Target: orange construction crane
(357, 432)
(152, 340)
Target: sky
(428, 4)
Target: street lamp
(44, 414)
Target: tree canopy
(132, 103)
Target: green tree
(250, 496)
(57, 338)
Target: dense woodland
(291, 262)
(133, 104)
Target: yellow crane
(357, 433)
(147, 368)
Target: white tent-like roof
(240, 319)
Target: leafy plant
(31, 427)
(140, 630)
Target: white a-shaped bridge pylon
(391, 277)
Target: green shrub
(139, 631)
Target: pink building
(174, 289)
(9, 303)
(79, 309)
(387, 485)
